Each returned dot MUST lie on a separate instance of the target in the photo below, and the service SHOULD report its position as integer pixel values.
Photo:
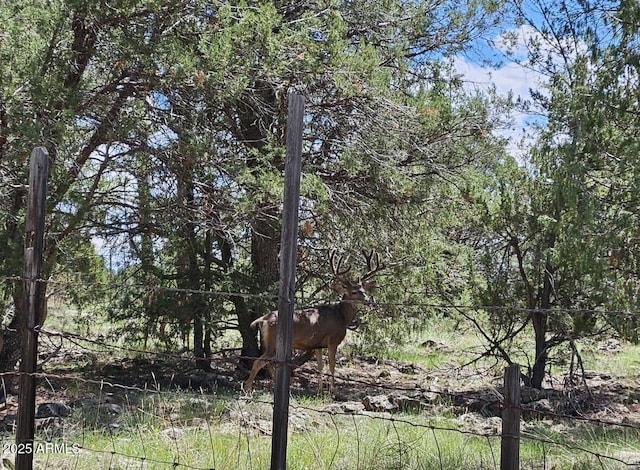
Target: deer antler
(335, 267)
(372, 270)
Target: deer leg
(320, 367)
(257, 366)
(272, 370)
(332, 367)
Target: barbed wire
(331, 413)
(143, 459)
(151, 288)
(320, 301)
(219, 357)
(392, 420)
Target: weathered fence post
(33, 306)
(510, 445)
(287, 282)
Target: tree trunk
(198, 339)
(540, 362)
(10, 344)
(207, 282)
(540, 329)
(187, 267)
(250, 347)
(12, 253)
(255, 117)
(265, 249)
(265, 246)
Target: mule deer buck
(324, 326)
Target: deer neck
(349, 310)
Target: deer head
(355, 290)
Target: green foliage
(594, 169)
(83, 274)
(553, 235)
(166, 129)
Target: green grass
(625, 362)
(206, 431)
(344, 442)
(582, 446)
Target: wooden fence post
(510, 442)
(34, 292)
(295, 125)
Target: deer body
(317, 328)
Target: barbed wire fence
(93, 402)
(135, 412)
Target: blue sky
(509, 77)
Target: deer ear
(339, 288)
(369, 285)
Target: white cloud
(512, 79)
(515, 43)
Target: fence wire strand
(379, 304)
(133, 416)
